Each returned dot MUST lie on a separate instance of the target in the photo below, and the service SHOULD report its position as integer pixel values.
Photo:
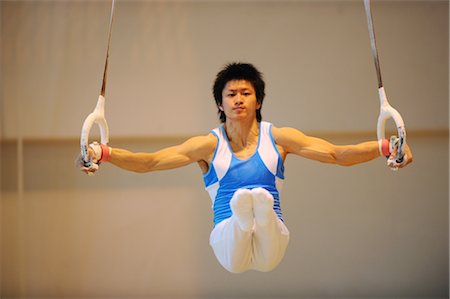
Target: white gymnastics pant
(253, 238)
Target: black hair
(239, 71)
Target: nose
(238, 99)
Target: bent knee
(239, 195)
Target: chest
(247, 152)
(243, 152)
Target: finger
(91, 153)
(393, 164)
(88, 170)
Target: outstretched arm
(295, 142)
(196, 149)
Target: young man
(242, 165)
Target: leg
(231, 239)
(271, 236)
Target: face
(239, 100)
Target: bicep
(192, 150)
(296, 142)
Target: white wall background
(355, 232)
(164, 56)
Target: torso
(256, 161)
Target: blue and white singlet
(227, 173)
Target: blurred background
(357, 232)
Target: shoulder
(201, 149)
(288, 138)
(286, 133)
(203, 142)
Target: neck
(242, 133)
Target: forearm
(137, 162)
(347, 155)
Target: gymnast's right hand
(95, 154)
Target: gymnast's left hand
(407, 158)
(94, 153)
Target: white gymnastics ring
(96, 117)
(387, 112)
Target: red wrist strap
(105, 153)
(384, 148)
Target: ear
(220, 108)
(258, 106)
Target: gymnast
(242, 162)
